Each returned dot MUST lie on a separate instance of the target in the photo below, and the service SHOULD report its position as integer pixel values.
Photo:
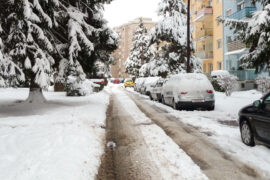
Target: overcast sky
(123, 11)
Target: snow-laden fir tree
(139, 51)
(172, 30)
(255, 33)
(26, 41)
(87, 39)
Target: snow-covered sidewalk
(60, 140)
(221, 126)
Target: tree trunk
(35, 92)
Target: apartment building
(126, 32)
(207, 33)
(233, 48)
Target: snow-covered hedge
(77, 87)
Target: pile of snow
(62, 139)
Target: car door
(262, 120)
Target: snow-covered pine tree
(86, 38)
(138, 53)
(172, 29)
(255, 33)
(27, 42)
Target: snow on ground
(221, 125)
(62, 139)
(172, 161)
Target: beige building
(126, 33)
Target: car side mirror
(257, 104)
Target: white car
(148, 85)
(138, 84)
(189, 91)
(155, 92)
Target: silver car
(189, 91)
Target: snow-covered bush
(263, 84)
(227, 82)
(76, 87)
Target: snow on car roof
(151, 80)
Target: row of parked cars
(195, 91)
(182, 91)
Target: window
(219, 65)
(210, 67)
(229, 12)
(241, 5)
(219, 44)
(229, 39)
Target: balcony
(205, 12)
(245, 75)
(235, 45)
(247, 12)
(204, 54)
(203, 34)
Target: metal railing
(204, 54)
(203, 12)
(245, 75)
(247, 12)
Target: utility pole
(188, 36)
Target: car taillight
(183, 93)
(209, 91)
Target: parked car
(116, 81)
(189, 91)
(148, 85)
(129, 83)
(155, 93)
(254, 121)
(139, 84)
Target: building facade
(207, 33)
(233, 48)
(126, 33)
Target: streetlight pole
(188, 36)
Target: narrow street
(133, 126)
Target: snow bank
(62, 139)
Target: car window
(267, 103)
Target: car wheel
(211, 108)
(246, 134)
(174, 105)
(151, 98)
(163, 100)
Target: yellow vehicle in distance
(129, 83)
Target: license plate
(197, 100)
